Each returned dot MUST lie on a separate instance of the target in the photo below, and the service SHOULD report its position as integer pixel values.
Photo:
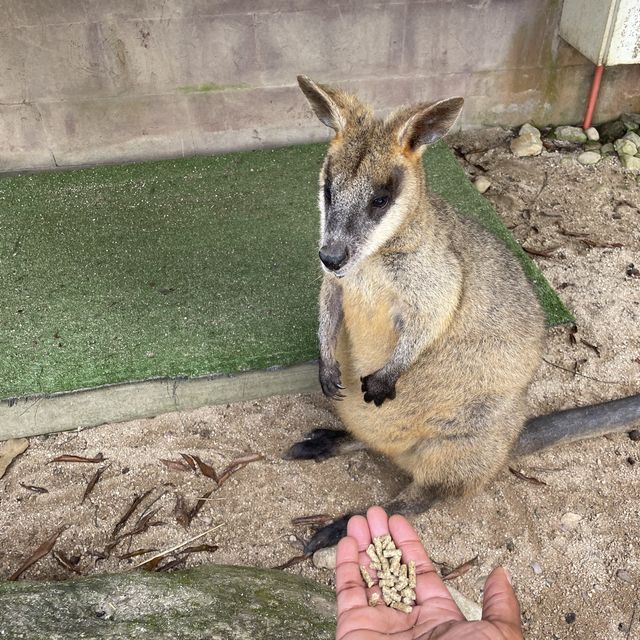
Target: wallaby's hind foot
(321, 444)
(329, 535)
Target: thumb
(499, 605)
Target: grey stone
(570, 520)
(592, 134)
(589, 157)
(217, 602)
(634, 137)
(482, 184)
(526, 145)
(629, 123)
(625, 147)
(529, 128)
(592, 146)
(570, 134)
(325, 558)
(629, 162)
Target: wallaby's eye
(380, 202)
(327, 193)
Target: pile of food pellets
(397, 581)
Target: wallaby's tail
(577, 424)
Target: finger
(350, 591)
(378, 521)
(499, 604)
(429, 586)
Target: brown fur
(438, 276)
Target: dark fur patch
(318, 445)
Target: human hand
(435, 615)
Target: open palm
(435, 616)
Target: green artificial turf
(174, 268)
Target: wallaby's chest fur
(369, 305)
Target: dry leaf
(67, 562)
(206, 469)
(175, 465)
(72, 458)
(183, 517)
(38, 554)
(462, 569)
(319, 519)
(93, 482)
(198, 506)
(33, 488)
(134, 505)
(236, 465)
(10, 450)
(189, 460)
(519, 474)
(134, 554)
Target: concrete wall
(84, 81)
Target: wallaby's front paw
(330, 380)
(377, 387)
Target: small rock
(526, 145)
(570, 520)
(633, 272)
(631, 461)
(537, 569)
(570, 134)
(629, 123)
(589, 157)
(325, 558)
(592, 134)
(629, 162)
(635, 433)
(634, 137)
(482, 184)
(610, 131)
(624, 575)
(592, 146)
(570, 617)
(625, 147)
(607, 149)
(634, 117)
(510, 546)
(529, 128)
(470, 610)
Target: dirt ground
(572, 545)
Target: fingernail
(506, 573)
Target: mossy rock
(206, 603)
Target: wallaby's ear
(429, 124)
(325, 103)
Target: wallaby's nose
(334, 256)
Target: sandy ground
(572, 545)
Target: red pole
(593, 96)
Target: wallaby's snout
(334, 255)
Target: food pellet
(396, 580)
(366, 576)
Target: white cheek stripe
(388, 226)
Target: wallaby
(430, 332)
